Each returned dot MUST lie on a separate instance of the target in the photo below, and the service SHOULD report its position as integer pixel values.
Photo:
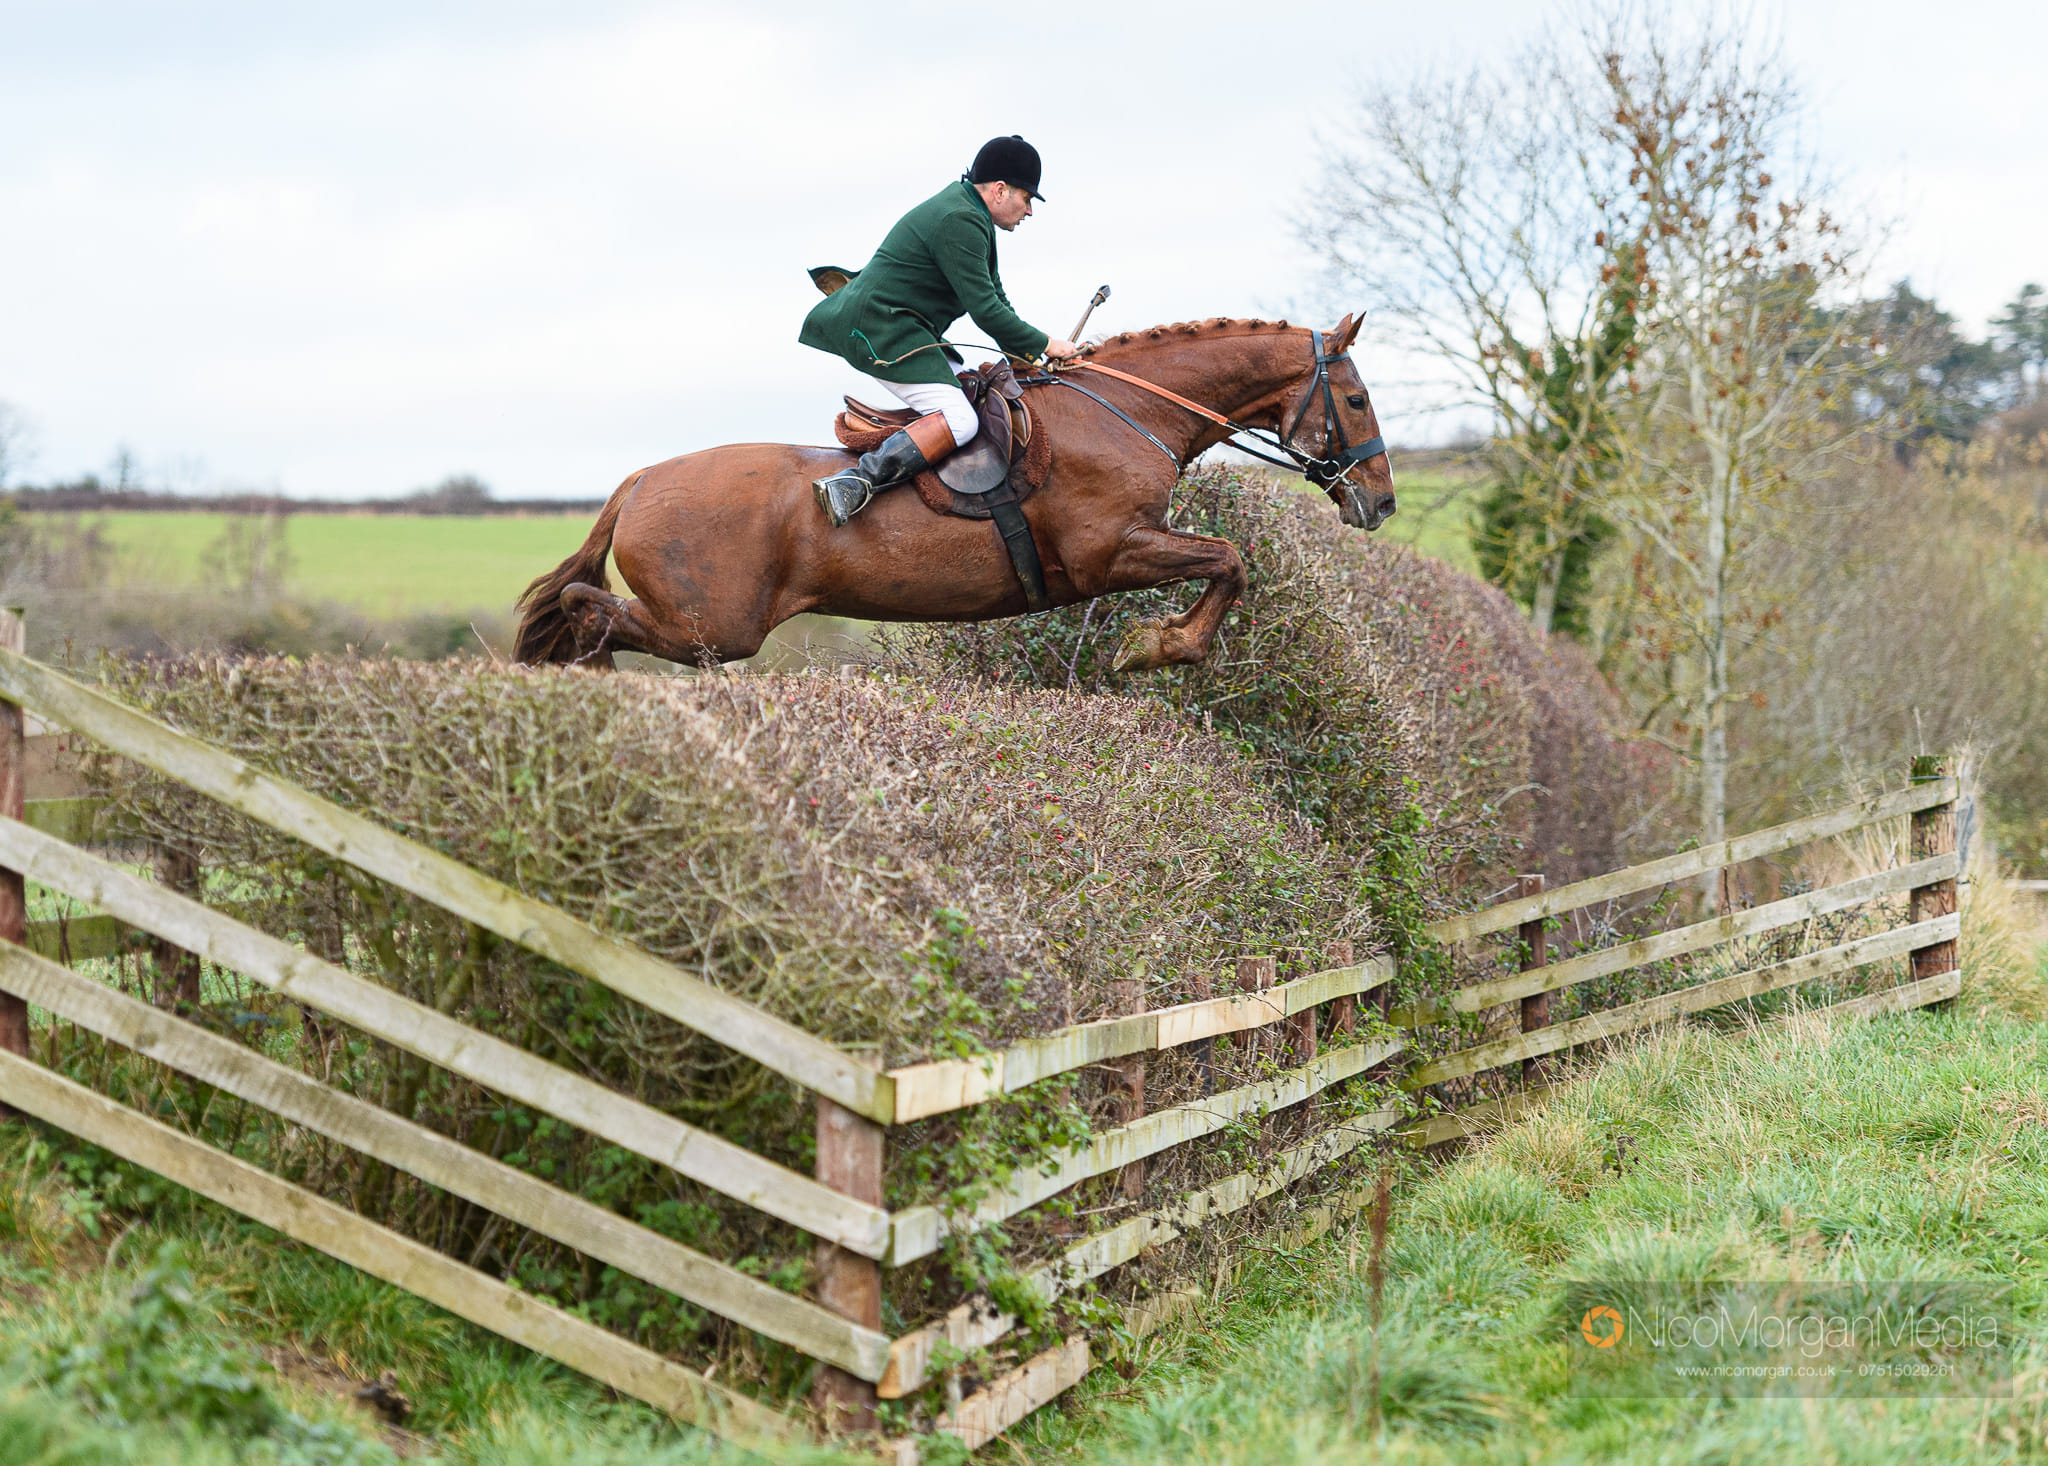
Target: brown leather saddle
(1000, 453)
(1006, 463)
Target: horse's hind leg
(592, 616)
(1151, 556)
(605, 623)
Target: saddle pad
(1028, 467)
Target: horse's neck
(1242, 377)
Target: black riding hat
(1008, 160)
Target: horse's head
(1335, 424)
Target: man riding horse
(890, 319)
(717, 548)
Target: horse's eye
(1357, 400)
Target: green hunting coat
(937, 264)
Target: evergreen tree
(1538, 530)
(2022, 332)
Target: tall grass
(1909, 1146)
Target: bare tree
(1746, 389)
(1616, 250)
(1480, 215)
(14, 443)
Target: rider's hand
(1061, 350)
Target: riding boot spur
(903, 455)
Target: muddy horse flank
(720, 547)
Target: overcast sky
(347, 250)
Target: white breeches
(923, 397)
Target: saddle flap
(984, 463)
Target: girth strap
(1008, 516)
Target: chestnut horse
(721, 546)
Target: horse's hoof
(1144, 648)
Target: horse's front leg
(1150, 555)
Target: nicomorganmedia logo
(1601, 1326)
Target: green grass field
(381, 564)
(1435, 516)
(398, 564)
(1433, 513)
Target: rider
(890, 319)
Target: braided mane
(1213, 327)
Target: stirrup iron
(842, 496)
(903, 455)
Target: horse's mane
(1213, 327)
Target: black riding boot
(898, 460)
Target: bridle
(1324, 470)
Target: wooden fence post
(1128, 993)
(1301, 1037)
(1536, 1007)
(850, 1149)
(1933, 833)
(13, 802)
(1256, 975)
(177, 970)
(1344, 1010)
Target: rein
(1324, 471)
(1158, 391)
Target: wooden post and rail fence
(1307, 1031)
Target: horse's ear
(1345, 333)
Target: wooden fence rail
(1682, 940)
(442, 1162)
(388, 1255)
(441, 1040)
(923, 1090)
(1610, 1022)
(919, 1231)
(454, 887)
(1686, 864)
(1310, 1023)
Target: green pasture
(381, 564)
(399, 564)
(1433, 513)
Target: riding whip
(1099, 297)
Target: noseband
(1324, 470)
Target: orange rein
(1174, 397)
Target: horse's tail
(544, 631)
